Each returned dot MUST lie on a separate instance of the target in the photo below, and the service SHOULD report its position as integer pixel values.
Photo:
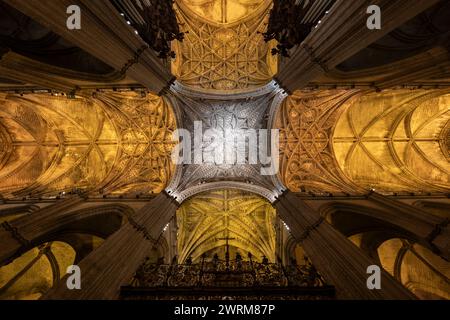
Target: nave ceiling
(348, 141)
(51, 144)
(223, 48)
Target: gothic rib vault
(85, 144)
(210, 218)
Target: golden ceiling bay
(113, 143)
(399, 136)
(225, 11)
(207, 220)
(223, 49)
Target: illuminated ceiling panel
(224, 11)
(396, 141)
(208, 219)
(113, 143)
(306, 120)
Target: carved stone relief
(223, 49)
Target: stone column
(432, 231)
(20, 234)
(105, 35)
(338, 260)
(26, 70)
(114, 263)
(342, 33)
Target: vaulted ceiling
(208, 219)
(328, 138)
(347, 141)
(354, 128)
(396, 141)
(110, 144)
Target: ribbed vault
(206, 220)
(395, 141)
(5, 146)
(113, 143)
(305, 120)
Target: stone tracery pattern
(248, 220)
(306, 120)
(115, 143)
(394, 141)
(5, 146)
(145, 127)
(220, 55)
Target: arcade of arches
(88, 123)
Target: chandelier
(155, 22)
(291, 21)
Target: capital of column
(310, 228)
(134, 60)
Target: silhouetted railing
(227, 277)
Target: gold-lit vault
(34, 273)
(306, 121)
(208, 219)
(417, 268)
(224, 11)
(223, 48)
(111, 143)
(396, 141)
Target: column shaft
(342, 33)
(22, 233)
(114, 263)
(339, 261)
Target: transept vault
(55, 145)
(101, 165)
(223, 49)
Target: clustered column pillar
(114, 263)
(105, 35)
(338, 260)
